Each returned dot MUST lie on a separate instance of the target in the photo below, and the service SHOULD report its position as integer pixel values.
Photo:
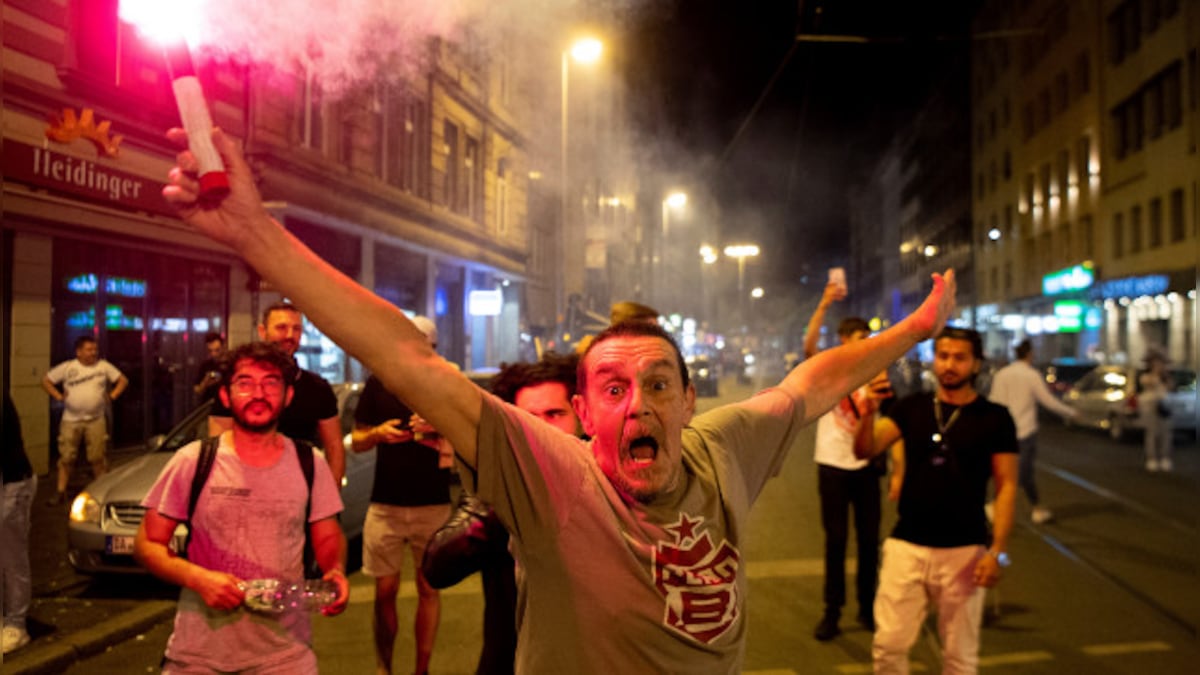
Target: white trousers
(914, 577)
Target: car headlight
(85, 509)
(703, 373)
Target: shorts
(94, 434)
(389, 530)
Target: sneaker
(1041, 515)
(1166, 465)
(13, 638)
(989, 509)
(828, 628)
(1152, 465)
(58, 499)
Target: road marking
(1126, 648)
(1015, 657)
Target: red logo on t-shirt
(698, 580)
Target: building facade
(1084, 173)
(417, 186)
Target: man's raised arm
(368, 327)
(821, 381)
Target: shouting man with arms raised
(631, 541)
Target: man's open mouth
(643, 449)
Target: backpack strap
(304, 452)
(204, 465)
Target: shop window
(1083, 74)
(401, 277)
(1088, 231)
(317, 352)
(148, 313)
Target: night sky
(702, 64)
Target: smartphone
(837, 275)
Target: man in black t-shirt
(410, 500)
(312, 415)
(946, 446)
(209, 375)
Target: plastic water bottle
(272, 596)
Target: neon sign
(1074, 278)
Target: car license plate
(120, 545)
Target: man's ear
(223, 393)
(690, 401)
(581, 411)
(288, 393)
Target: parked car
(105, 516)
(1107, 398)
(1062, 374)
(703, 374)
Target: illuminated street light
(677, 200)
(708, 254)
(930, 250)
(756, 292)
(994, 234)
(741, 252)
(673, 201)
(583, 51)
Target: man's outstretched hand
(228, 220)
(932, 315)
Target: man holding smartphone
(844, 481)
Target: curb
(57, 656)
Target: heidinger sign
(56, 170)
(1075, 278)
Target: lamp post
(676, 201)
(741, 252)
(583, 51)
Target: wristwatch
(1001, 557)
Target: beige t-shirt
(619, 587)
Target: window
(1067, 242)
(1008, 220)
(1030, 197)
(1150, 15)
(1156, 224)
(1083, 162)
(1064, 176)
(1028, 123)
(312, 113)
(1007, 170)
(1044, 185)
(450, 177)
(1135, 229)
(1152, 99)
(1008, 277)
(1118, 235)
(1175, 214)
(1172, 95)
(1062, 92)
(1044, 108)
(1089, 237)
(472, 180)
(1083, 74)
(502, 196)
(404, 134)
(1005, 113)
(992, 173)
(995, 284)
(111, 55)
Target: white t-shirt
(836, 430)
(1020, 388)
(85, 388)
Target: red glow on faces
(163, 22)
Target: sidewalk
(71, 617)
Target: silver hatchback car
(1107, 398)
(104, 518)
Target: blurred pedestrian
(940, 552)
(210, 368)
(474, 539)
(85, 395)
(632, 543)
(249, 521)
(1154, 384)
(410, 499)
(312, 415)
(845, 482)
(18, 484)
(1020, 388)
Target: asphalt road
(1108, 586)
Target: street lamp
(741, 252)
(676, 201)
(583, 51)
